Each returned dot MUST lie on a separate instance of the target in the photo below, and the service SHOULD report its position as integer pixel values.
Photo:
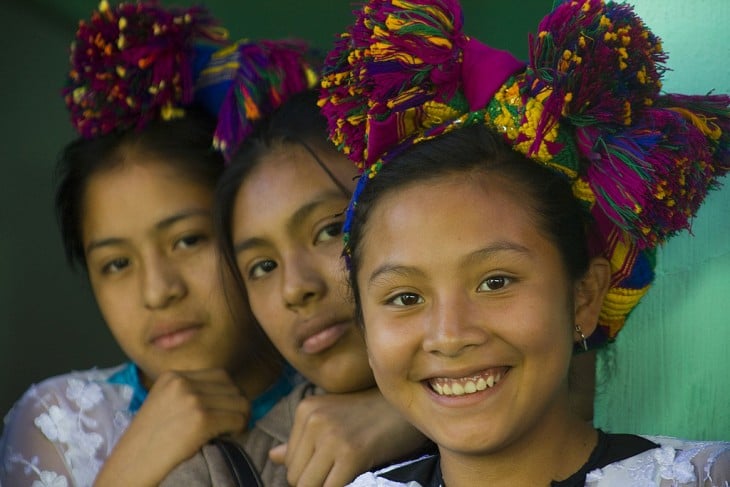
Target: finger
(316, 471)
(342, 473)
(298, 455)
(211, 423)
(297, 433)
(210, 375)
(182, 383)
(278, 454)
(219, 402)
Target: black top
(611, 448)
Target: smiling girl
(504, 215)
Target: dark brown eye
(261, 268)
(493, 283)
(406, 299)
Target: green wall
(668, 371)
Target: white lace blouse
(62, 430)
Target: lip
(168, 337)
(316, 336)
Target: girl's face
(287, 219)
(153, 265)
(468, 312)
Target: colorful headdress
(133, 63)
(587, 105)
(139, 62)
(246, 81)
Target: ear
(590, 291)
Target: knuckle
(306, 407)
(196, 408)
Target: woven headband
(139, 62)
(587, 105)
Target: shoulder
(681, 462)
(81, 390)
(65, 425)
(418, 472)
(84, 389)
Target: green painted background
(668, 370)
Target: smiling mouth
(444, 386)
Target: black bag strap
(242, 468)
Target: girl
(134, 205)
(279, 213)
(476, 267)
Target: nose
(162, 283)
(303, 283)
(453, 326)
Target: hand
(338, 436)
(181, 413)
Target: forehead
(131, 196)
(451, 214)
(285, 179)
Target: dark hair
(185, 142)
(560, 216)
(298, 121)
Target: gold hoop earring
(583, 341)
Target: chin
(343, 382)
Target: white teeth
(455, 387)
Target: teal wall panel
(668, 371)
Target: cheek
(117, 303)
(272, 317)
(389, 350)
(202, 271)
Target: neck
(554, 448)
(253, 377)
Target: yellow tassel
(706, 126)
(169, 112)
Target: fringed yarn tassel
(132, 64)
(649, 180)
(711, 115)
(585, 49)
(264, 75)
(399, 55)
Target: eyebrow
(492, 249)
(386, 271)
(302, 213)
(163, 224)
(382, 272)
(306, 210)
